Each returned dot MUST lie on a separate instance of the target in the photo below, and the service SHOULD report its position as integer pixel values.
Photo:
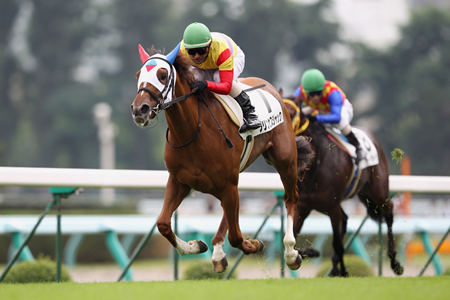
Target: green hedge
(203, 270)
(41, 270)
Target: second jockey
(331, 103)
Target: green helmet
(196, 35)
(313, 81)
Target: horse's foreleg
(337, 224)
(175, 193)
(291, 256)
(301, 213)
(219, 258)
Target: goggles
(200, 51)
(312, 94)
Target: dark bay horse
(203, 150)
(323, 186)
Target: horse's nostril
(145, 109)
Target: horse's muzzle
(141, 114)
(140, 121)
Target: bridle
(168, 87)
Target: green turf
(379, 288)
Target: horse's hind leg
(375, 195)
(219, 258)
(230, 204)
(387, 209)
(389, 217)
(175, 193)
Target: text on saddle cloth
(267, 108)
(370, 153)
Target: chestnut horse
(324, 184)
(203, 152)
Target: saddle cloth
(370, 153)
(267, 108)
(370, 156)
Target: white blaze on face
(149, 71)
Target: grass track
(384, 288)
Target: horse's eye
(163, 76)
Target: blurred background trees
(57, 60)
(410, 86)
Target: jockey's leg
(250, 118)
(347, 131)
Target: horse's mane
(182, 64)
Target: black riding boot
(250, 119)
(354, 141)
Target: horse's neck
(319, 139)
(182, 117)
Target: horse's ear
(172, 55)
(144, 55)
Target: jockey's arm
(224, 86)
(298, 98)
(335, 100)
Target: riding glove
(311, 118)
(199, 86)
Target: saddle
(267, 108)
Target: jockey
(219, 62)
(330, 102)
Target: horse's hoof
(202, 246)
(261, 246)
(398, 269)
(334, 272)
(221, 265)
(252, 246)
(296, 264)
(344, 273)
(309, 253)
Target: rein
(201, 98)
(199, 126)
(296, 120)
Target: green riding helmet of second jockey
(313, 81)
(196, 35)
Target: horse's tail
(305, 153)
(373, 210)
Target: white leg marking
(290, 255)
(184, 248)
(218, 253)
